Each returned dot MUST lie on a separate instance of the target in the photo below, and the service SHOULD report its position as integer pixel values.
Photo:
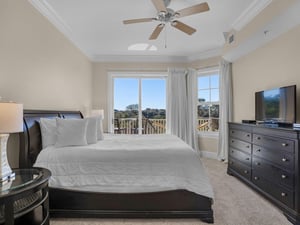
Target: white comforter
(127, 164)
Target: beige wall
(39, 67)
(273, 65)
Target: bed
(75, 202)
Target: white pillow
(100, 132)
(48, 131)
(71, 132)
(91, 133)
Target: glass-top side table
(24, 199)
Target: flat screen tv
(277, 105)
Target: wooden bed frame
(69, 203)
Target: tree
(132, 107)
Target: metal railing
(158, 126)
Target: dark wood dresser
(266, 158)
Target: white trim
(250, 13)
(277, 26)
(139, 58)
(205, 54)
(208, 154)
(208, 71)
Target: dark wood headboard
(31, 139)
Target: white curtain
(182, 105)
(225, 112)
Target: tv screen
(277, 105)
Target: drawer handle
(232, 141)
(284, 144)
(232, 131)
(283, 194)
(247, 146)
(256, 178)
(246, 171)
(283, 176)
(258, 138)
(247, 135)
(284, 159)
(258, 150)
(247, 158)
(257, 163)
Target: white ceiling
(95, 26)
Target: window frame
(208, 72)
(130, 74)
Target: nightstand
(25, 199)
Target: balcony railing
(158, 126)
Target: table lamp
(98, 112)
(11, 121)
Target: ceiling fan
(166, 15)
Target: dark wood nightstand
(25, 200)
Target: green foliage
(132, 112)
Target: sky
(153, 92)
(126, 91)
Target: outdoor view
(151, 94)
(150, 116)
(208, 103)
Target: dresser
(266, 158)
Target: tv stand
(267, 159)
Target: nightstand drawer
(240, 168)
(272, 173)
(282, 158)
(242, 135)
(240, 156)
(280, 193)
(241, 145)
(274, 143)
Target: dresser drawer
(274, 143)
(241, 145)
(272, 173)
(240, 168)
(282, 194)
(240, 156)
(240, 134)
(282, 159)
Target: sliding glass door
(138, 103)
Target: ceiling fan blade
(142, 20)
(157, 31)
(183, 27)
(159, 5)
(203, 7)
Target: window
(138, 103)
(208, 101)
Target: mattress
(127, 164)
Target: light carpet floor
(234, 204)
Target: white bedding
(127, 164)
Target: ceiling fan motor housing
(166, 17)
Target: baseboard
(210, 155)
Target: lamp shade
(98, 112)
(11, 117)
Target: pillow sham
(71, 132)
(48, 131)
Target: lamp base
(6, 173)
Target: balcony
(157, 126)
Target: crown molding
(206, 54)
(279, 25)
(252, 11)
(139, 58)
(47, 11)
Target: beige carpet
(234, 204)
